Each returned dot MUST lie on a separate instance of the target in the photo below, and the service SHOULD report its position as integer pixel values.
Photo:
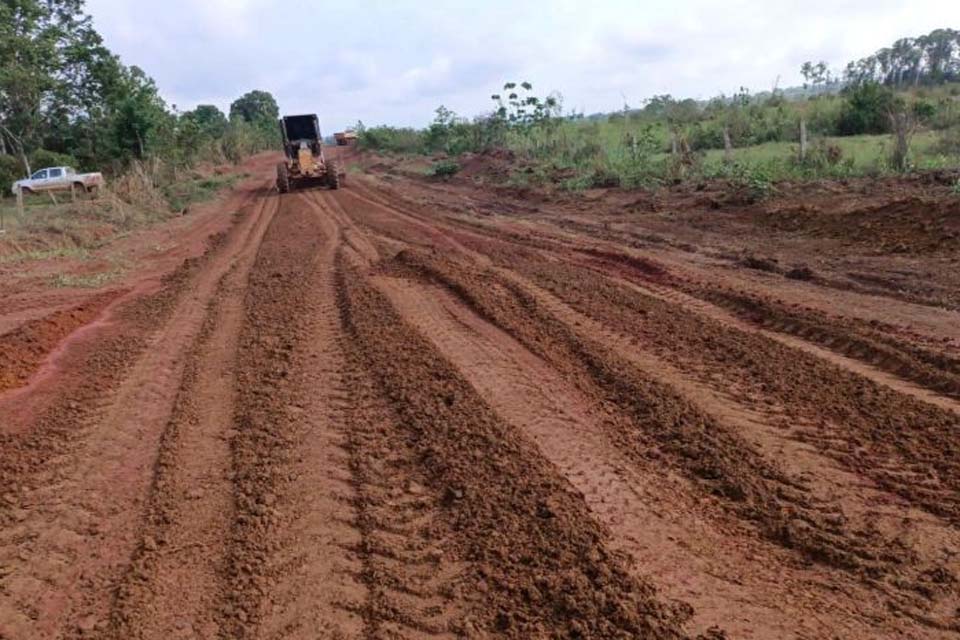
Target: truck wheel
(333, 174)
(283, 178)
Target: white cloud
(396, 61)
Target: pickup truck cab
(57, 179)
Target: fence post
(803, 139)
(727, 145)
(20, 203)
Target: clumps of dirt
(88, 374)
(770, 265)
(800, 272)
(494, 165)
(862, 424)
(24, 349)
(536, 554)
(909, 225)
(656, 422)
(264, 438)
(934, 370)
(643, 267)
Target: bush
(392, 139)
(748, 183)
(867, 110)
(444, 169)
(11, 170)
(42, 158)
(949, 142)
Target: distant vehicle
(345, 138)
(58, 179)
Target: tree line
(930, 59)
(65, 98)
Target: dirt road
(415, 410)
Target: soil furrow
(174, 585)
(84, 468)
(682, 558)
(502, 499)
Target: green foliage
(519, 107)
(749, 183)
(256, 107)
(62, 91)
(43, 158)
(929, 59)
(949, 142)
(444, 169)
(208, 120)
(259, 110)
(867, 109)
(11, 170)
(182, 193)
(390, 139)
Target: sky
(395, 62)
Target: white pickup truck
(57, 179)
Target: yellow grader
(305, 163)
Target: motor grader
(305, 163)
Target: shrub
(11, 170)
(749, 183)
(444, 169)
(949, 142)
(392, 139)
(42, 158)
(867, 109)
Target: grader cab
(305, 163)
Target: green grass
(867, 152)
(182, 194)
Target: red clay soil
(24, 349)
(414, 409)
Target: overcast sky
(395, 62)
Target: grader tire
(283, 178)
(333, 174)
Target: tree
(139, 115)
(521, 108)
(209, 120)
(256, 107)
(51, 63)
(867, 108)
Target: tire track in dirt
(174, 586)
(866, 352)
(84, 469)
(789, 515)
(318, 587)
(934, 371)
(853, 418)
(334, 534)
(503, 500)
(711, 463)
(794, 338)
(925, 591)
(683, 559)
(509, 255)
(922, 589)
